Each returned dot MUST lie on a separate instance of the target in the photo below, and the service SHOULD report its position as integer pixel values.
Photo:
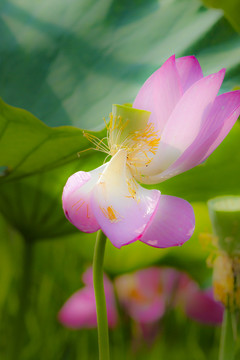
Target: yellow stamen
(139, 144)
(110, 214)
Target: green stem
(227, 343)
(19, 330)
(98, 258)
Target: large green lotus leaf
(32, 204)
(38, 160)
(28, 146)
(68, 62)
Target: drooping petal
(189, 71)
(184, 125)
(172, 224)
(221, 119)
(160, 94)
(76, 199)
(122, 207)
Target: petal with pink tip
(183, 126)
(230, 111)
(188, 117)
(221, 119)
(172, 224)
(160, 94)
(189, 71)
(121, 206)
(76, 199)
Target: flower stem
(98, 258)
(227, 342)
(25, 280)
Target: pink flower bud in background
(79, 311)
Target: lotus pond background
(65, 64)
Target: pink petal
(170, 279)
(227, 116)
(80, 310)
(141, 296)
(189, 71)
(184, 126)
(109, 294)
(188, 116)
(201, 306)
(121, 206)
(148, 312)
(160, 94)
(87, 277)
(221, 119)
(148, 280)
(172, 224)
(76, 199)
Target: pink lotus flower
(80, 309)
(176, 121)
(146, 294)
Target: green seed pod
(225, 217)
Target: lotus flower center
(140, 145)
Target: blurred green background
(66, 63)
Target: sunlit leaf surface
(68, 62)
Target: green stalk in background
(24, 290)
(227, 343)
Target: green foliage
(37, 160)
(231, 10)
(68, 63)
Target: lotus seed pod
(225, 217)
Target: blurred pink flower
(79, 311)
(146, 294)
(198, 304)
(176, 122)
